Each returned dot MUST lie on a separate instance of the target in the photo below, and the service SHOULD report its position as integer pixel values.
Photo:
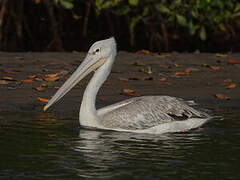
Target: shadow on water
(39, 145)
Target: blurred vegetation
(158, 25)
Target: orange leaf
(227, 80)
(231, 86)
(5, 82)
(181, 74)
(45, 100)
(7, 71)
(7, 78)
(31, 76)
(222, 96)
(233, 61)
(51, 78)
(143, 51)
(129, 92)
(27, 80)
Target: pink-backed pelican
(146, 114)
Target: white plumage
(146, 114)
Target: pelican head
(97, 56)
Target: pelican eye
(97, 50)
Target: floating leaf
(162, 79)
(7, 71)
(123, 79)
(143, 51)
(8, 78)
(231, 86)
(32, 76)
(27, 80)
(233, 61)
(147, 70)
(51, 78)
(45, 100)
(38, 79)
(181, 74)
(129, 92)
(227, 80)
(40, 88)
(222, 96)
(221, 55)
(212, 67)
(215, 67)
(5, 82)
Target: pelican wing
(146, 112)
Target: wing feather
(146, 112)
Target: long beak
(87, 66)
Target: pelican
(146, 114)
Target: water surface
(41, 146)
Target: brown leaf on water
(182, 73)
(147, 70)
(5, 82)
(227, 80)
(56, 87)
(38, 79)
(55, 76)
(7, 78)
(215, 67)
(45, 100)
(40, 88)
(190, 69)
(27, 80)
(129, 92)
(233, 61)
(143, 51)
(32, 76)
(222, 96)
(123, 79)
(162, 79)
(221, 55)
(212, 67)
(231, 86)
(51, 78)
(8, 71)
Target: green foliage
(198, 18)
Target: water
(41, 146)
